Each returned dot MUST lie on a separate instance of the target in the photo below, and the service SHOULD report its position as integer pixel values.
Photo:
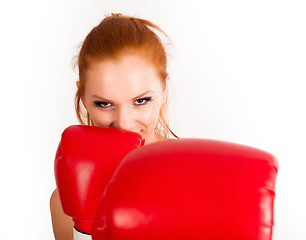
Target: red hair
(114, 37)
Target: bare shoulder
(61, 223)
(54, 197)
(55, 203)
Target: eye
(102, 104)
(143, 101)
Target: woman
(123, 83)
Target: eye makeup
(138, 103)
(101, 104)
(143, 101)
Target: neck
(155, 138)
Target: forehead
(121, 79)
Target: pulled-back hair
(115, 37)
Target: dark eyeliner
(146, 99)
(98, 103)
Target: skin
(117, 95)
(125, 94)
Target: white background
(237, 70)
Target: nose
(124, 119)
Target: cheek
(149, 117)
(100, 118)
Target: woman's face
(125, 94)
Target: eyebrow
(107, 100)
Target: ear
(167, 78)
(82, 99)
(165, 90)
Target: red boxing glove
(189, 189)
(86, 159)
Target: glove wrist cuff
(82, 225)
